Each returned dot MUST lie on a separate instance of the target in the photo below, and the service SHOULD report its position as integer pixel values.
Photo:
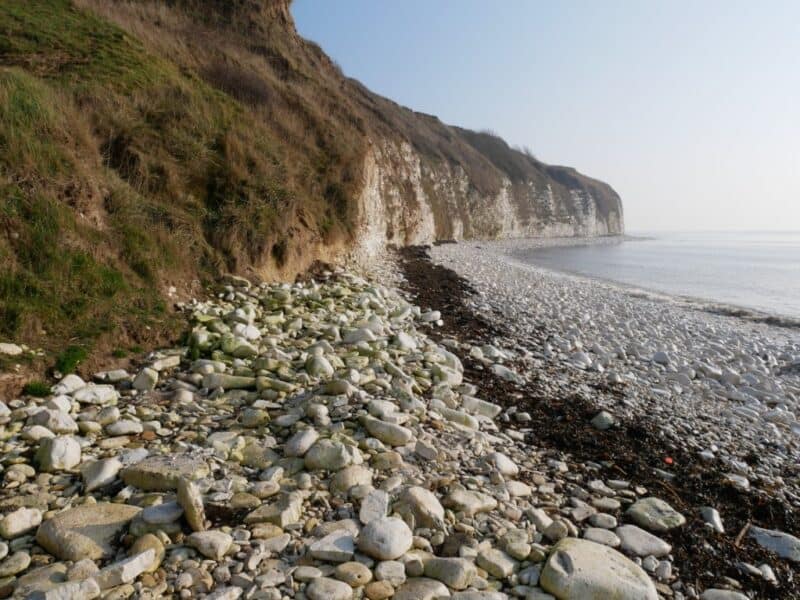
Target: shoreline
(718, 457)
(563, 301)
(513, 249)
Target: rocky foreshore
(725, 388)
(702, 405)
(331, 440)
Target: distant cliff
(148, 145)
(411, 197)
(413, 178)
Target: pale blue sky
(691, 110)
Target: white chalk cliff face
(409, 199)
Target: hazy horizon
(689, 112)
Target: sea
(736, 273)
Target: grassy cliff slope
(148, 146)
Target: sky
(690, 110)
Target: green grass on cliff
(50, 280)
(51, 39)
(120, 174)
(45, 279)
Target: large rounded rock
(211, 544)
(349, 477)
(392, 571)
(353, 574)
(86, 531)
(96, 394)
(326, 455)
(655, 514)
(469, 502)
(496, 562)
(147, 542)
(635, 540)
(388, 433)
(420, 508)
(59, 453)
(319, 366)
(422, 588)
(324, 588)
(99, 473)
(300, 442)
(359, 335)
(379, 590)
(16, 563)
(456, 573)
(19, 522)
(56, 421)
(146, 380)
(582, 569)
(10, 349)
(500, 463)
(385, 539)
(784, 545)
(404, 341)
(69, 384)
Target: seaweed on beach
(634, 450)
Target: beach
(443, 422)
(740, 380)
(705, 404)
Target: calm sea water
(754, 270)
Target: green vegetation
(56, 276)
(120, 171)
(68, 360)
(52, 39)
(40, 389)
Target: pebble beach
(724, 387)
(447, 423)
(719, 390)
